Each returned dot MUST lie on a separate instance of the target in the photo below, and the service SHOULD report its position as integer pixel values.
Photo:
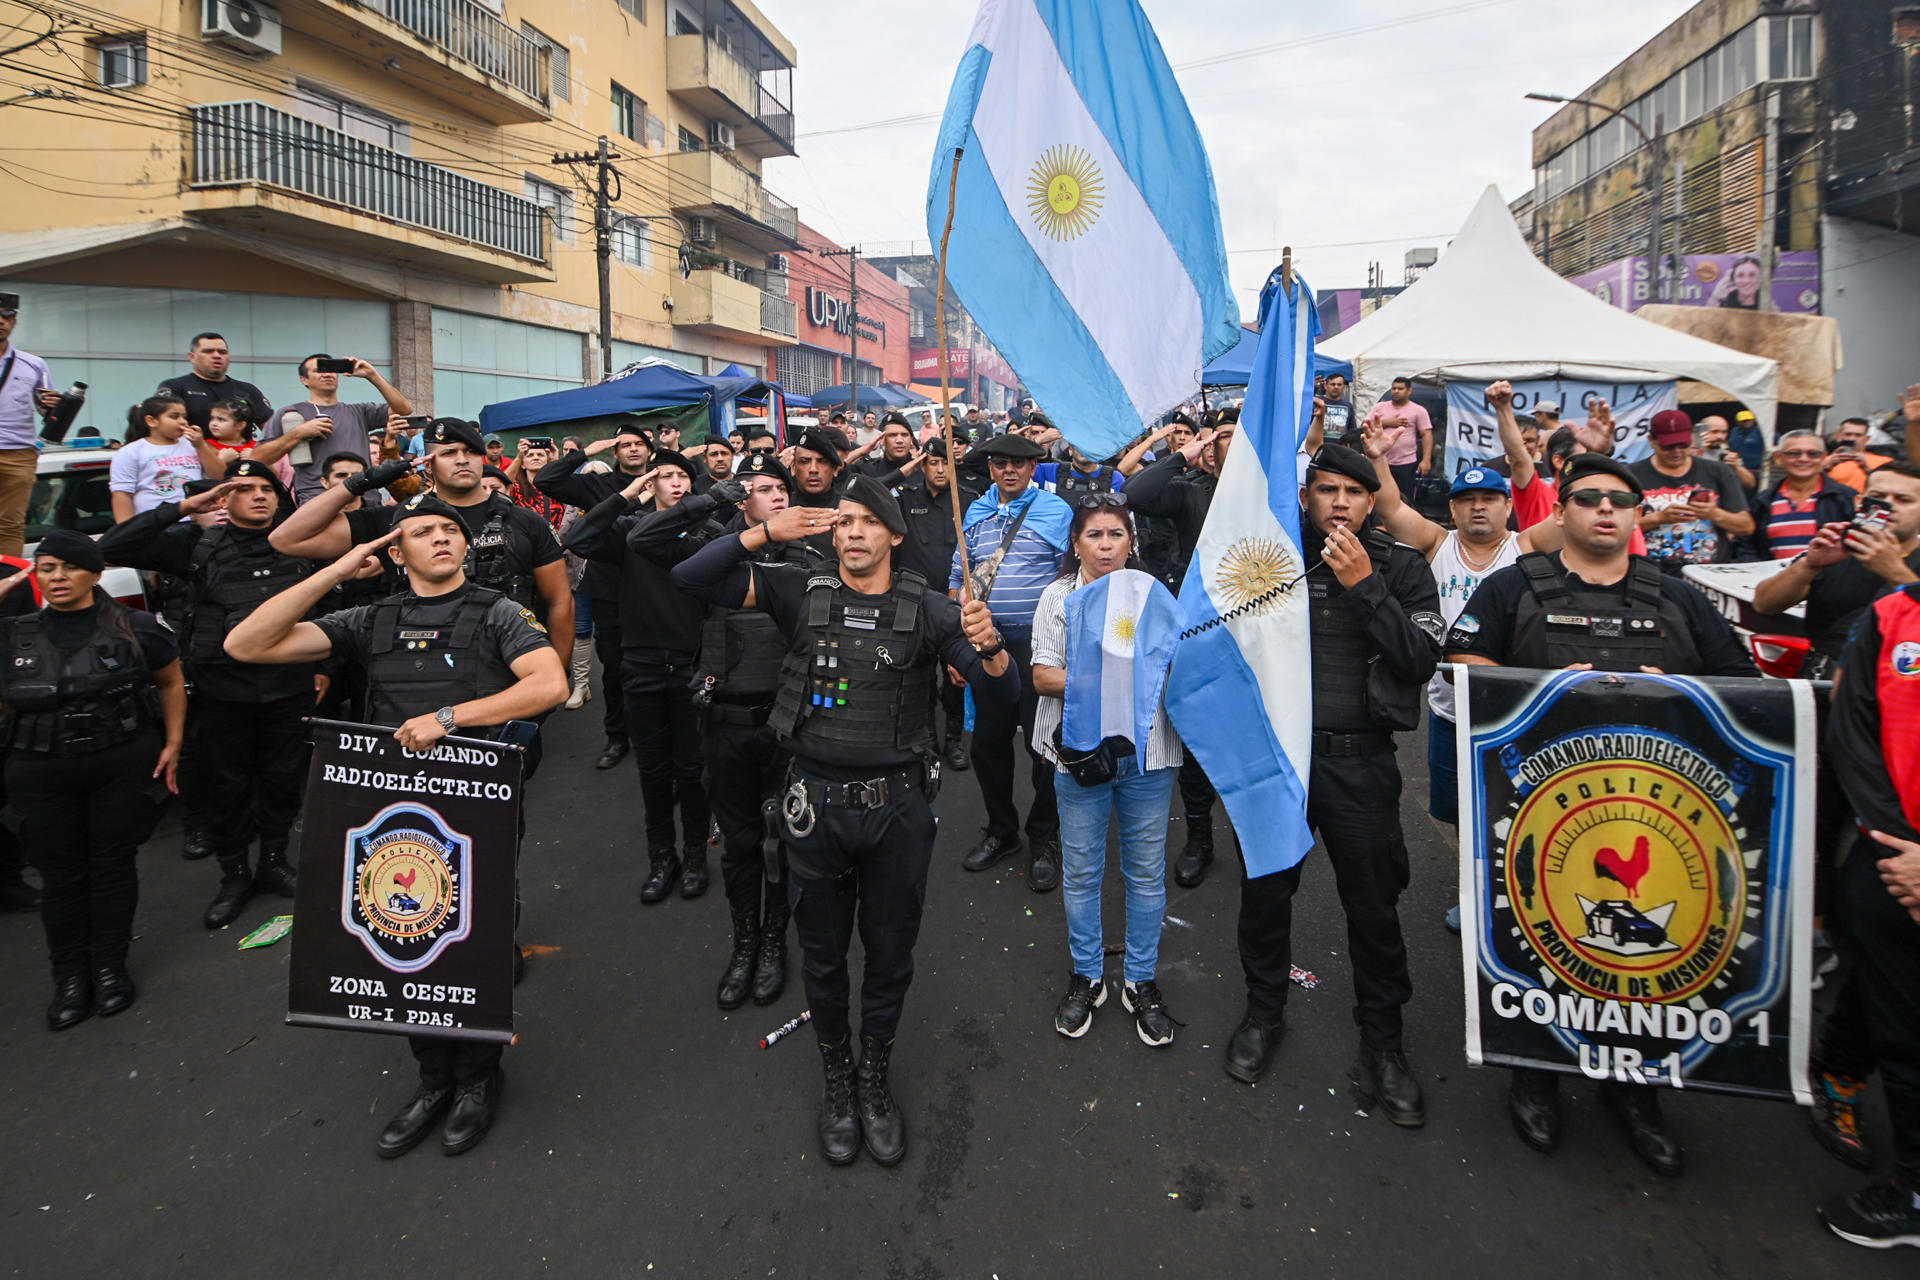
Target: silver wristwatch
(445, 716)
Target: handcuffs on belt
(798, 811)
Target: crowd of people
(803, 631)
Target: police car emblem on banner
(405, 891)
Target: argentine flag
(1241, 690)
(1121, 631)
(1086, 236)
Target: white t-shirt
(1050, 649)
(1457, 581)
(153, 472)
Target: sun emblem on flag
(1125, 628)
(1065, 192)
(1252, 575)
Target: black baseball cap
(9, 306)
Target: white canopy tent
(1489, 309)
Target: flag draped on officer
(1241, 687)
(1121, 630)
(1086, 238)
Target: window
(684, 25)
(123, 63)
(559, 62)
(558, 202)
(1714, 89)
(690, 141)
(633, 243)
(626, 113)
(351, 118)
(1790, 47)
(1695, 104)
(638, 8)
(1740, 69)
(804, 370)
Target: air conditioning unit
(721, 136)
(702, 230)
(777, 263)
(244, 25)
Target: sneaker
(1879, 1217)
(1835, 1118)
(1150, 1016)
(1074, 1014)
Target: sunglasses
(1617, 499)
(1094, 501)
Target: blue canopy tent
(644, 389)
(871, 397)
(1235, 368)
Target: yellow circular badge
(1626, 880)
(404, 889)
(1065, 192)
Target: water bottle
(301, 454)
(59, 419)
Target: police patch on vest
(528, 617)
(1636, 909)
(407, 877)
(1905, 659)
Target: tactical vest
(492, 563)
(415, 669)
(1342, 649)
(76, 702)
(742, 650)
(1559, 623)
(1070, 484)
(859, 676)
(229, 578)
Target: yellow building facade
(379, 179)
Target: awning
(1235, 368)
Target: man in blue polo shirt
(1016, 541)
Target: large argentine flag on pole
(1240, 692)
(1121, 630)
(1086, 235)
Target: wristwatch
(999, 646)
(445, 716)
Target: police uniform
(82, 730)
(422, 653)
(928, 551)
(855, 709)
(661, 629)
(1374, 645)
(245, 722)
(1535, 613)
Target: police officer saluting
(865, 643)
(487, 663)
(246, 725)
(1595, 606)
(94, 709)
(1375, 635)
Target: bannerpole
(946, 392)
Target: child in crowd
(157, 468)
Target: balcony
(723, 87)
(257, 168)
(710, 184)
(713, 302)
(456, 50)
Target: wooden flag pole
(1286, 270)
(946, 393)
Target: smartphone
(331, 365)
(1872, 515)
(540, 442)
(418, 421)
(1702, 497)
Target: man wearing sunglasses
(1786, 516)
(1577, 609)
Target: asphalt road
(645, 1133)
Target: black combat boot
(1197, 855)
(839, 1125)
(72, 1002)
(694, 880)
(1250, 1050)
(195, 843)
(275, 874)
(738, 978)
(113, 989)
(236, 890)
(770, 974)
(1384, 1076)
(663, 868)
(881, 1123)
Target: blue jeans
(582, 615)
(1143, 801)
(1443, 770)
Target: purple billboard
(1711, 280)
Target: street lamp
(1656, 181)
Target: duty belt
(1366, 743)
(868, 793)
(749, 714)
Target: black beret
(248, 469)
(673, 458)
(722, 441)
(819, 442)
(1039, 419)
(762, 463)
(1012, 446)
(454, 431)
(634, 429)
(427, 503)
(80, 551)
(1346, 462)
(896, 418)
(1582, 465)
(936, 447)
(492, 472)
(873, 495)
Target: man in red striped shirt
(1786, 516)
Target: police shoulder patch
(1466, 624)
(1431, 623)
(526, 616)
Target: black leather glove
(379, 477)
(727, 492)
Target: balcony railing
(241, 143)
(777, 315)
(466, 30)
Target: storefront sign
(1710, 280)
(825, 311)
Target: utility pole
(606, 192)
(853, 318)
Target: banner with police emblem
(404, 918)
(1636, 876)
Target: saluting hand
(7, 585)
(1347, 557)
(364, 560)
(201, 503)
(795, 523)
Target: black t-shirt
(1674, 546)
(510, 631)
(1838, 595)
(531, 542)
(201, 395)
(70, 629)
(1485, 627)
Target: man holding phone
(325, 426)
(1692, 508)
